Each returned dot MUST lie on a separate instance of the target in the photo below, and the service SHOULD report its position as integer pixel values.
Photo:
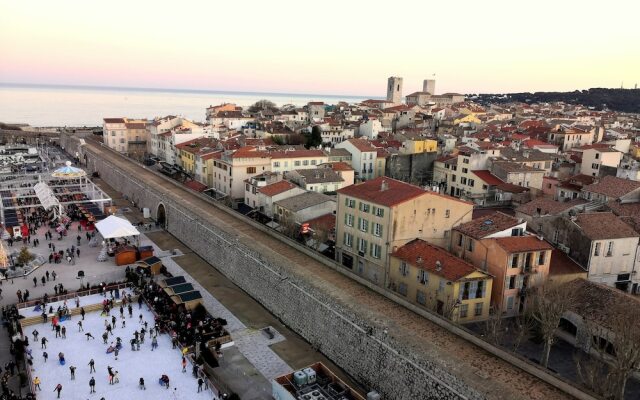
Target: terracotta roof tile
(424, 256)
(604, 225)
(487, 225)
(487, 177)
(276, 188)
(518, 244)
(612, 186)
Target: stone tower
(429, 86)
(394, 90)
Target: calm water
(86, 106)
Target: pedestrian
(141, 384)
(154, 343)
(116, 351)
(200, 382)
(57, 330)
(82, 312)
(35, 280)
(47, 275)
(43, 281)
(53, 275)
(184, 364)
(105, 335)
(124, 323)
(72, 369)
(139, 318)
(64, 332)
(113, 321)
(89, 335)
(58, 389)
(92, 385)
(43, 342)
(130, 309)
(36, 383)
(116, 378)
(80, 328)
(92, 366)
(78, 238)
(35, 334)
(45, 355)
(78, 252)
(19, 294)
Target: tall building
(429, 86)
(394, 90)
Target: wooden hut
(189, 299)
(176, 280)
(151, 264)
(178, 289)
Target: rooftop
(604, 225)
(384, 191)
(302, 201)
(546, 206)
(434, 260)
(487, 177)
(612, 186)
(319, 175)
(276, 188)
(561, 264)
(487, 225)
(518, 244)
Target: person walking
(141, 385)
(54, 275)
(43, 343)
(184, 364)
(82, 312)
(92, 385)
(78, 252)
(154, 343)
(63, 330)
(105, 335)
(200, 382)
(72, 369)
(116, 378)
(35, 280)
(35, 334)
(58, 389)
(47, 275)
(36, 383)
(92, 366)
(45, 355)
(80, 328)
(57, 328)
(43, 281)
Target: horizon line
(184, 90)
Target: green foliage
(314, 139)
(263, 105)
(25, 256)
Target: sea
(78, 106)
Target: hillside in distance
(623, 100)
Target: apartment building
(232, 168)
(364, 157)
(293, 159)
(319, 180)
(378, 215)
(593, 159)
(430, 277)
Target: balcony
(136, 142)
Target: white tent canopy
(115, 227)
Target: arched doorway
(161, 216)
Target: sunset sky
(325, 47)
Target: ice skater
(130, 309)
(45, 355)
(64, 332)
(72, 369)
(92, 366)
(140, 319)
(36, 383)
(80, 328)
(154, 343)
(184, 364)
(43, 342)
(200, 382)
(124, 323)
(58, 389)
(110, 371)
(116, 378)
(141, 385)
(92, 385)
(89, 335)
(35, 334)
(82, 312)
(105, 335)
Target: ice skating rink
(131, 365)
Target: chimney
(419, 260)
(438, 266)
(384, 186)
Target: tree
(616, 340)
(547, 306)
(25, 256)
(315, 138)
(263, 105)
(494, 326)
(523, 325)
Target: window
(351, 203)
(423, 277)
(276, 164)
(121, 140)
(478, 309)
(376, 250)
(453, 178)
(313, 162)
(447, 213)
(305, 162)
(597, 156)
(460, 238)
(464, 170)
(441, 285)
(348, 219)
(377, 229)
(421, 298)
(516, 232)
(402, 289)
(362, 245)
(510, 303)
(251, 170)
(471, 182)
(541, 257)
(364, 207)
(470, 244)
(363, 224)
(595, 166)
(464, 309)
(484, 187)
(379, 212)
(610, 249)
(465, 160)
(512, 281)
(463, 180)
(348, 239)
(404, 268)
(596, 252)
(246, 187)
(296, 163)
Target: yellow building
(430, 277)
(470, 118)
(417, 146)
(634, 150)
(376, 216)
